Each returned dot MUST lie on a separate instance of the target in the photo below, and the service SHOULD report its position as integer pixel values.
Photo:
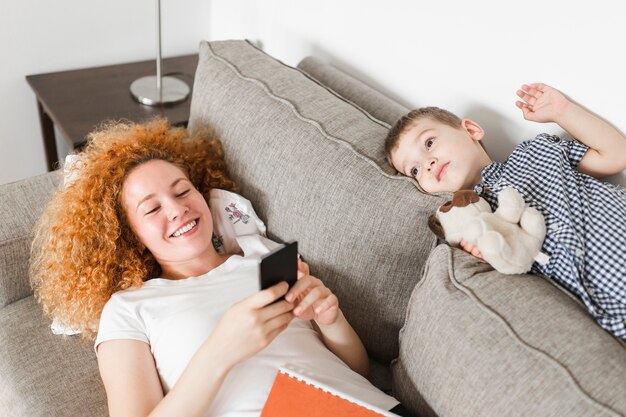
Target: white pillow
(233, 217)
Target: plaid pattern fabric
(585, 220)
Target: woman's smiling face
(167, 213)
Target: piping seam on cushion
(307, 120)
(423, 277)
(330, 90)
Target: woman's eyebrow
(149, 196)
(143, 200)
(176, 181)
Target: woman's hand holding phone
(252, 324)
(312, 299)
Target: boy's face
(441, 157)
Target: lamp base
(173, 90)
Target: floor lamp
(159, 90)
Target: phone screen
(279, 265)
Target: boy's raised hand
(541, 103)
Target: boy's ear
(473, 129)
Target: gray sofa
(446, 334)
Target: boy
(585, 218)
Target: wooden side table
(77, 101)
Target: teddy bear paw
(510, 205)
(533, 223)
(491, 243)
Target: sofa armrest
(21, 204)
(43, 374)
(476, 342)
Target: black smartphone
(279, 265)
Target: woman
(125, 251)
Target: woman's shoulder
(123, 300)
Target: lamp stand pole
(158, 90)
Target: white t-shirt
(176, 316)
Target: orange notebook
(296, 394)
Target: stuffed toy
(509, 239)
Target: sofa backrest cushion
(360, 94)
(313, 165)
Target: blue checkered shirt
(585, 220)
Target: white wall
(467, 56)
(46, 36)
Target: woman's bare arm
(134, 389)
(131, 379)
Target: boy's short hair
(408, 120)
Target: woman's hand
(471, 249)
(252, 324)
(132, 381)
(312, 299)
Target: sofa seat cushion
(478, 343)
(314, 167)
(43, 374)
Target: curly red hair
(84, 249)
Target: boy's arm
(607, 146)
